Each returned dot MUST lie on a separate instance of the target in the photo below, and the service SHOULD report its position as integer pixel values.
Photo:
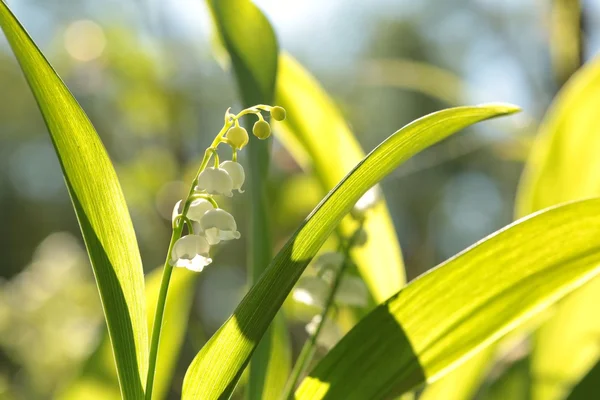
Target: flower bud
(278, 113)
(191, 252)
(237, 136)
(261, 129)
(330, 333)
(198, 208)
(215, 181)
(312, 291)
(236, 172)
(217, 225)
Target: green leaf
(588, 387)
(315, 126)
(252, 46)
(467, 303)
(177, 311)
(99, 205)
(217, 367)
(563, 166)
(513, 384)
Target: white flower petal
(212, 236)
(176, 211)
(191, 252)
(330, 333)
(367, 201)
(217, 225)
(312, 291)
(329, 260)
(352, 291)
(236, 172)
(198, 208)
(215, 181)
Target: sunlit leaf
(564, 165)
(99, 205)
(217, 367)
(588, 387)
(315, 126)
(465, 304)
(252, 46)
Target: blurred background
(145, 72)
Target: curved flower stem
(310, 346)
(168, 269)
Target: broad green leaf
(315, 126)
(99, 205)
(217, 367)
(97, 379)
(464, 305)
(463, 382)
(177, 312)
(564, 165)
(588, 387)
(513, 384)
(251, 43)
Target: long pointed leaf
(315, 123)
(564, 165)
(449, 314)
(99, 205)
(217, 367)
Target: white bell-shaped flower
(217, 225)
(311, 290)
(198, 208)
(352, 291)
(236, 172)
(329, 260)
(191, 252)
(215, 181)
(330, 333)
(176, 211)
(367, 201)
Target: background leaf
(315, 126)
(100, 207)
(463, 382)
(450, 313)
(252, 46)
(564, 165)
(217, 367)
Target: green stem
(168, 269)
(310, 346)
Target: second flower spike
(215, 181)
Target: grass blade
(217, 367)
(100, 207)
(317, 128)
(564, 166)
(467, 303)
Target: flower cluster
(207, 224)
(313, 290)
